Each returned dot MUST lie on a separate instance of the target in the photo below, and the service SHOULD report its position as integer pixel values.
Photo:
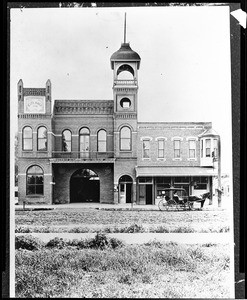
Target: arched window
(42, 139)
(66, 140)
(27, 138)
(35, 181)
(125, 138)
(101, 140)
(84, 135)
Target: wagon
(177, 199)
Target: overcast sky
(185, 59)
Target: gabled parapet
(33, 101)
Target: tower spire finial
(124, 27)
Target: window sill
(192, 159)
(146, 158)
(161, 159)
(179, 159)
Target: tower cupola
(125, 54)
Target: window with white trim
(42, 139)
(35, 181)
(66, 140)
(101, 140)
(125, 138)
(27, 138)
(161, 148)
(192, 149)
(176, 144)
(208, 147)
(215, 147)
(146, 148)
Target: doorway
(146, 194)
(84, 186)
(125, 189)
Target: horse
(201, 199)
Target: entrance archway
(125, 189)
(84, 186)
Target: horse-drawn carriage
(177, 199)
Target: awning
(175, 171)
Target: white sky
(185, 59)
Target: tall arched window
(27, 138)
(101, 140)
(125, 138)
(42, 138)
(66, 140)
(35, 181)
(84, 135)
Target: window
(146, 148)
(145, 180)
(200, 183)
(27, 141)
(84, 136)
(192, 149)
(182, 179)
(201, 148)
(125, 103)
(66, 141)
(125, 138)
(42, 138)
(161, 148)
(176, 148)
(208, 147)
(102, 140)
(215, 147)
(35, 181)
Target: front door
(122, 197)
(149, 194)
(125, 190)
(142, 194)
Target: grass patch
(164, 270)
(85, 217)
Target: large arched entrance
(84, 186)
(125, 189)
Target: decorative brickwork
(34, 92)
(83, 107)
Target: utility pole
(219, 172)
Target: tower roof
(125, 53)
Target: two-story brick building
(97, 151)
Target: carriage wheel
(162, 205)
(172, 205)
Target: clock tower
(125, 64)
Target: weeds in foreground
(100, 241)
(152, 270)
(133, 228)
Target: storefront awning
(174, 171)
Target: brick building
(97, 151)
